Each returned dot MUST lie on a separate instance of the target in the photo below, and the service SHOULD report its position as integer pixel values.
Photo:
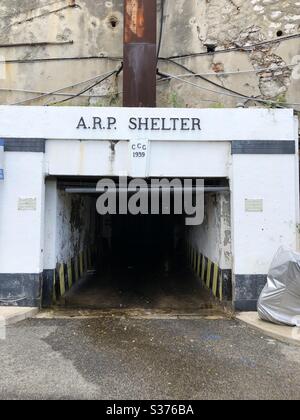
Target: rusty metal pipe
(140, 60)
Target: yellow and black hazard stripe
(214, 278)
(68, 274)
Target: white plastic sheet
(280, 299)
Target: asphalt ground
(119, 357)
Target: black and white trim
(25, 145)
(21, 290)
(263, 147)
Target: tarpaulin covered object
(280, 299)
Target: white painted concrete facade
(216, 124)
(22, 229)
(258, 235)
(269, 181)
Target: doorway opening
(127, 262)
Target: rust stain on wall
(140, 61)
(140, 21)
(135, 19)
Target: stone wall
(63, 45)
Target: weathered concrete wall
(69, 225)
(190, 26)
(69, 237)
(75, 225)
(213, 238)
(209, 246)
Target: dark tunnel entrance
(135, 262)
(140, 264)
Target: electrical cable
(61, 89)
(41, 60)
(182, 56)
(166, 78)
(162, 14)
(37, 92)
(201, 77)
(37, 44)
(249, 98)
(206, 80)
(238, 72)
(229, 91)
(85, 90)
(38, 60)
(31, 10)
(245, 48)
(39, 16)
